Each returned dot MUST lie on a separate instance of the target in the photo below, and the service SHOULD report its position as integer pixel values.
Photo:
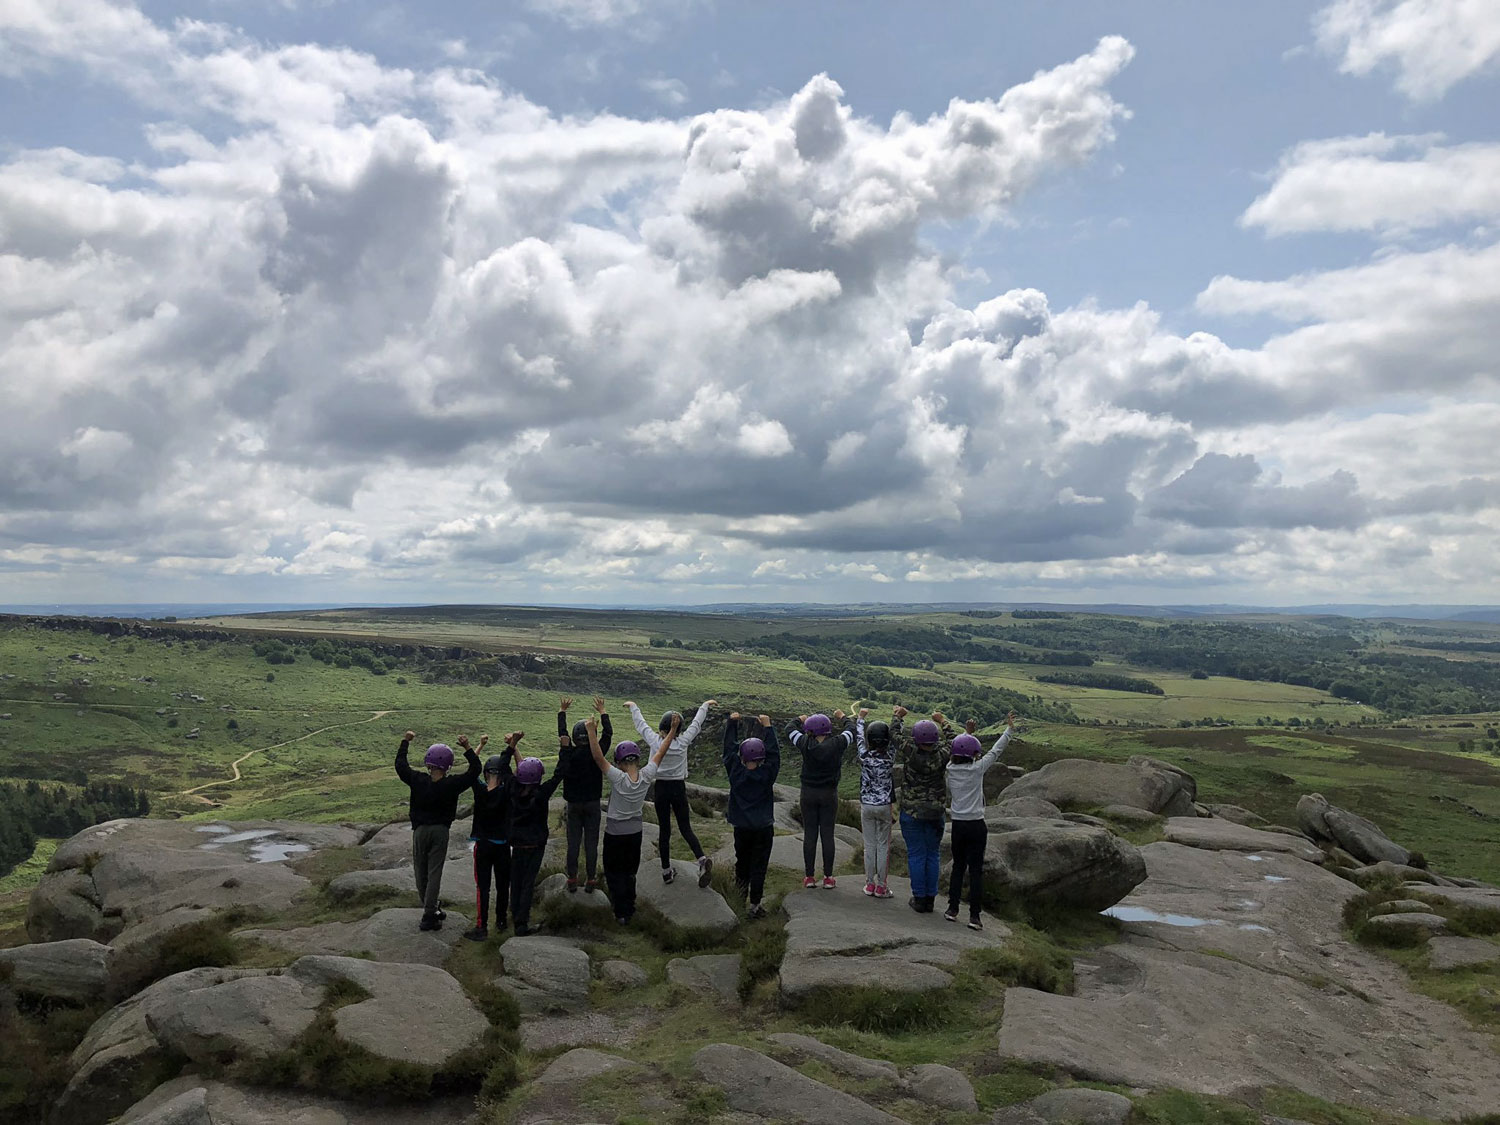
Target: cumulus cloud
(1431, 44)
(333, 321)
(1359, 184)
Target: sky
(690, 301)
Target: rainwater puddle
(211, 828)
(1276, 879)
(1256, 928)
(209, 847)
(274, 853)
(252, 834)
(1144, 914)
(1256, 858)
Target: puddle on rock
(1256, 858)
(211, 828)
(1276, 879)
(275, 853)
(252, 834)
(1145, 914)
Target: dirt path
(234, 766)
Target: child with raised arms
(583, 790)
(490, 837)
(624, 824)
(966, 808)
(752, 766)
(876, 748)
(529, 813)
(432, 806)
(671, 788)
(823, 751)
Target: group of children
(930, 770)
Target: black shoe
(441, 915)
(705, 871)
(478, 933)
(975, 924)
(668, 874)
(429, 922)
(500, 924)
(527, 931)
(950, 915)
(622, 920)
(915, 903)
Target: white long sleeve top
(966, 782)
(674, 766)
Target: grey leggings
(818, 809)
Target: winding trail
(235, 765)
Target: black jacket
(528, 805)
(822, 758)
(435, 802)
(491, 812)
(582, 778)
(751, 792)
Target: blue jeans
(924, 841)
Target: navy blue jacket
(434, 802)
(750, 791)
(822, 758)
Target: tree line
(33, 810)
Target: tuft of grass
(669, 936)
(39, 1037)
(1177, 1107)
(760, 957)
(1028, 960)
(1010, 1083)
(1473, 921)
(876, 1010)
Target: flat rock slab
(786, 853)
(194, 1100)
(556, 887)
(1406, 923)
(855, 1066)
(1081, 1106)
(1402, 906)
(756, 1084)
(581, 1064)
(550, 1031)
(545, 973)
(252, 1017)
(138, 951)
(623, 974)
(138, 869)
(1271, 995)
(1476, 898)
(389, 935)
(75, 971)
(715, 975)
(1226, 835)
(840, 938)
(1461, 953)
(686, 904)
(352, 884)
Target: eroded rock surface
(1198, 832)
(1059, 862)
(75, 971)
(194, 1100)
(756, 1084)
(388, 935)
(1356, 835)
(1080, 784)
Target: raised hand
(765, 721)
(970, 726)
(599, 704)
(629, 704)
(864, 712)
(463, 741)
(710, 703)
(900, 712)
(591, 726)
(839, 716)
(734, 716)
(565, 703)
(410, 736)
(1010, 719)
(802, 718)
(514, 737)
(676, 723)
(483, 738)
(939, 718)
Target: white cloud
(671, 92)
(1360, 184)
(1431, 44)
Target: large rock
(1213, 833)
(1238, 814)
(1235, 974)
(141, 953)
(249, 1018)
(715, 975)
(1416, 925)
(1356, 835)
(75, 971)
(581, 1064)
(388, 935)
(686, 904)
(1056, 862)
(415, 1013)
(762, 1086)
(944, 1087)
(126, 871)
(786, 853)
(1081, 1106)
(842, 939)
(1446, 953)
(1474, 898)
(1079, 784)
(195, 1100)
(855, 1066)
(119, 1057)
(545, 974)
(1035, 808)
(554, 889)
(389, 880)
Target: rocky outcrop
(1324, 822)
(714, 975)
(581, 1064)
(1444, 953)
(1258, 937)
(127, 871)
(1216, 834)
(388, 935)
(1079, 784)
(545, 974)
(74, 971)
(141, 953)
(686, 904)
(841, 939)
(1059, 863)
(758, 1085)
(195, 1100)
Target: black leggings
(524, 864)
(818, 809)
(622, 858)
(969, 839)
(491, 860)
(583, 828)
(752, 855)
(671, 798)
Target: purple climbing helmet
(926, 733)
(529, 772)
(439, 756)
(965, 746)
(752, 750)
(627, 751)
(818, 725)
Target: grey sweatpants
(875, 822)
(429, 850)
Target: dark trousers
(524, 864)
(491, 861)
(429, 852)
(622, 858)
(818, 809)
(671, 800)
(583, 829)
(752, 855)
(969, 839)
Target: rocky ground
(230, 974)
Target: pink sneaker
(870, 890)
(883, 892)
(808, 883)
(828, 883)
